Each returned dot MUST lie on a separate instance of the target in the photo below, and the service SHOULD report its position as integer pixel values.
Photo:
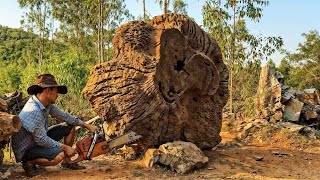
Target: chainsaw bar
(124, 139)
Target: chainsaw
(95, 144)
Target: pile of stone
(279, 103)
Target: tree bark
(3, 105)
(9, 124)
(166, 82)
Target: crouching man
(37, 144)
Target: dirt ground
(231, 160)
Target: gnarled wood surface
(166, 81)
(3, 105)
(9, 124)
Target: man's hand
(68, 150)
(90, 127)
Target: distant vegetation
(86, 28)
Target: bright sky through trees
(285, 18)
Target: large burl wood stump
(166, 82)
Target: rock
(291, 126)
(292, 110)
(6, 174)
(150, 158)
(182, 156)
(309, 132)
(269, 91)
(309, 96)
(286, 96)
(310, 115)
(127, 152)
(285, 87)
(248, 127)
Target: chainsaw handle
(80, 157)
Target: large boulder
(181, 157)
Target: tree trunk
(9, 124)
(166, 82)
(165, 6)
(144, 10)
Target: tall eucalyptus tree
(164, 4)
(37, 19)
(179, 6)
(90, 23)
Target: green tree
(272, 64)
(90, 23)
(179, 6)
(227, 24)
(144, 17)
(37, 20)
(284, 67)
(305, 70)
(164, 4)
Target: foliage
(179, 6)
(303, 67)
(284, 68)
(38, 20)
(247, 83)
(227, 24)
(69, 68)
(88, 25)
(68, 52)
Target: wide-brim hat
(45, 81)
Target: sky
(285, 18)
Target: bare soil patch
(231, 160)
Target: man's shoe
(72, 166)
(29, 169)
(39, 168)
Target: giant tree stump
(166, 81)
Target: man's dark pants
(56, 132)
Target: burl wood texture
(166, 82)
(9, 124)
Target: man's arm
(63, 116)
(89, 127)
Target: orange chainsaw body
(83, 145)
